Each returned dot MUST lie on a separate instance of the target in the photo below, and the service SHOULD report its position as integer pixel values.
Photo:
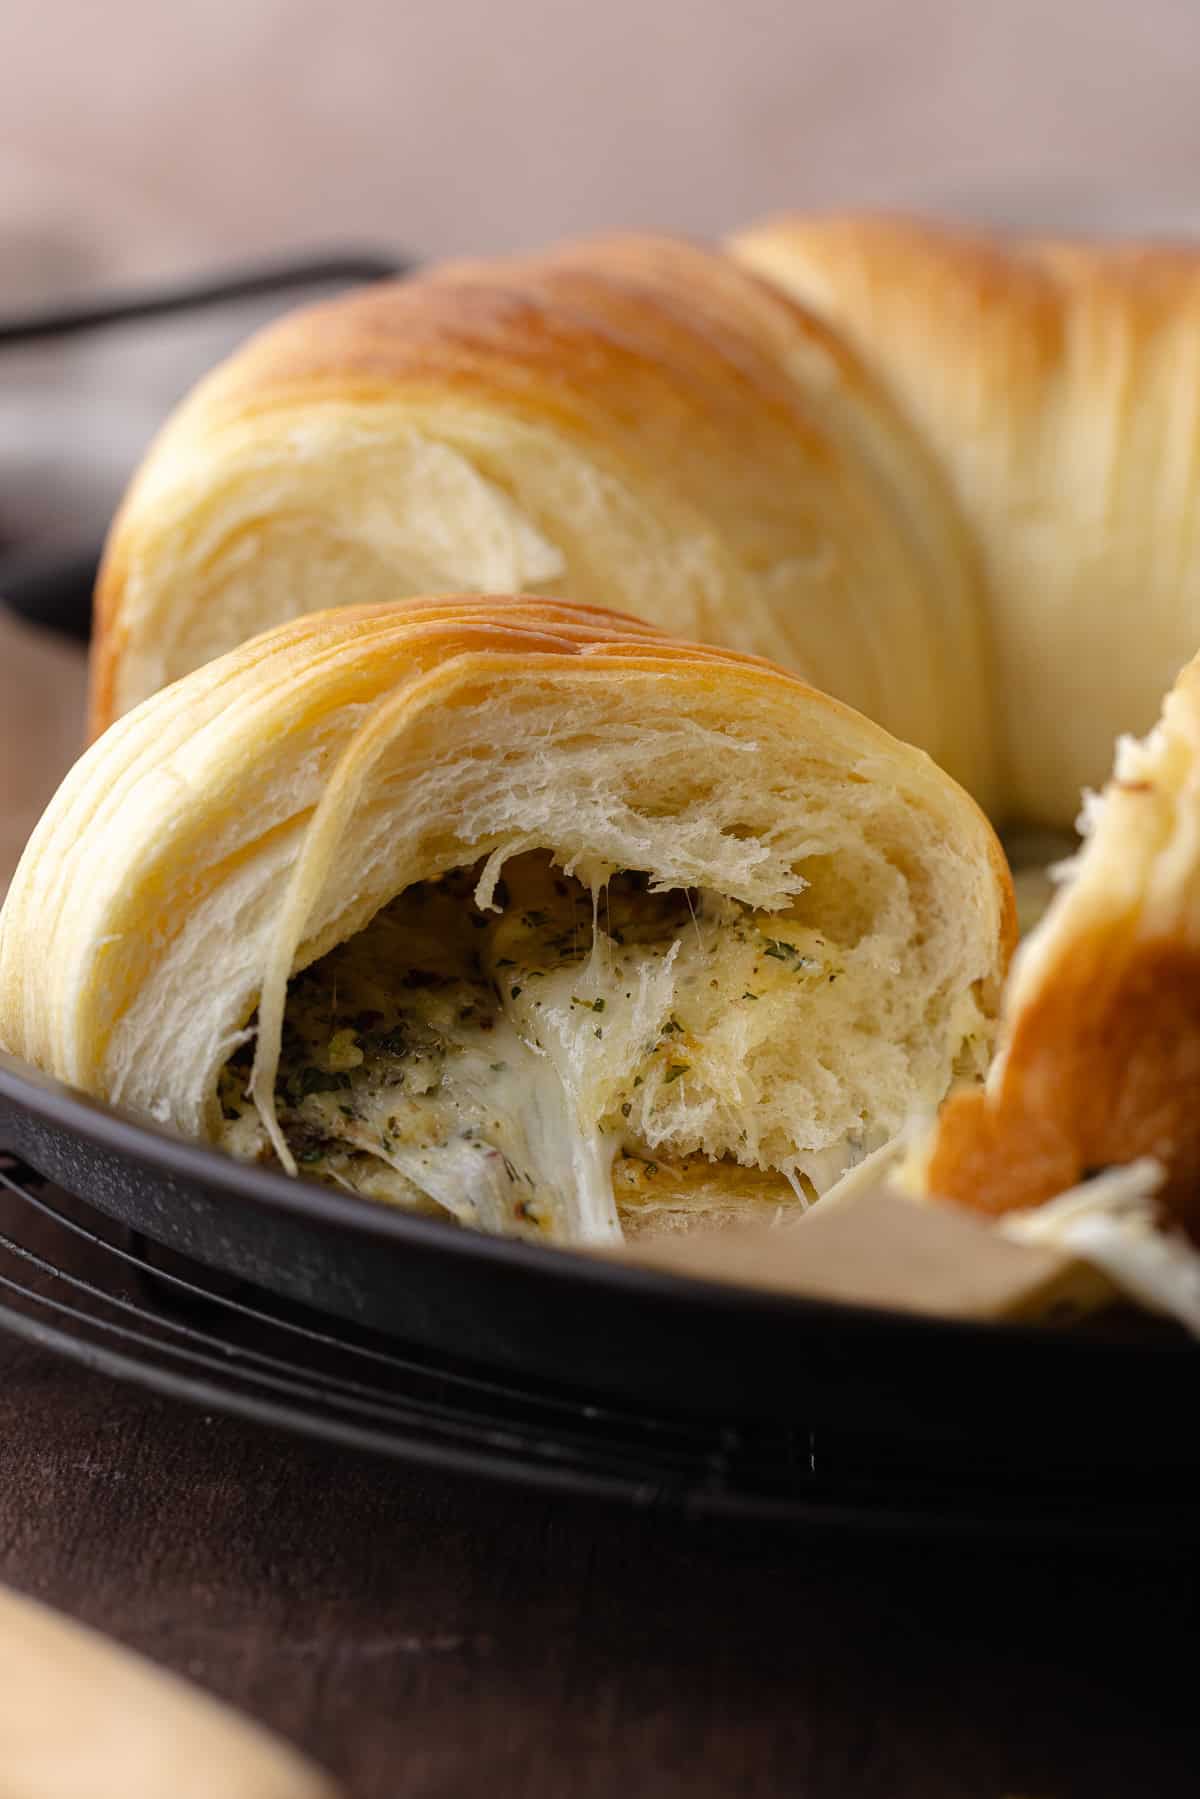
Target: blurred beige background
(160, 131)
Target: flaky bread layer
(242, 822)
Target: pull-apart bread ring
(512, 910)
(637, 423)
(950, 479)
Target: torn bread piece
(1099, 1062)
(515, 912)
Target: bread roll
(632, 422)
(516, 911)
(1056, 385)
(1100, 1058)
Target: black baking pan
(51, 588)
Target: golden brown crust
(1103, 1067)
(1041, 389)
(598, 318)
(1100, 1047)
(1024, 288)
(485, 329)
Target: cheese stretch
(494, 1064)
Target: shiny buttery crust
(1056, 385)
(372, 747)
(631, 422)
(1100, 1057)
(943, 487)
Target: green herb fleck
(675, 1070)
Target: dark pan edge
(1165, 1530)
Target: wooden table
(424, 1635)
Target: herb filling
(493, 1064)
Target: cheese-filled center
(576, 1060)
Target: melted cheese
(494, 1064)
(453, 1058)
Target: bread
(258, 866)
(633, 423)
(940, 480)
(949, 479)
(1100, 1059)
(1055, 384)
